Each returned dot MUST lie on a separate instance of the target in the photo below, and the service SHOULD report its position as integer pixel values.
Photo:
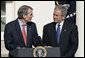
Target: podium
(28, 52)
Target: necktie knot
(59, 25)
(24, 25)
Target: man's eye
(31, 14)
(55, 15)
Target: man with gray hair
(71, 13)
(61, 33)
(22, 32)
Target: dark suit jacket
(68, 38)
(13, 36)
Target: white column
(9, 14)
(80, 24)
(10, 9)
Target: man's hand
(48, 46)
(23, 47)
(20, 48)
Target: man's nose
(32, 15)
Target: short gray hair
(62, 8)
(23, 10)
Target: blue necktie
(58, 33)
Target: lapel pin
(65, 30)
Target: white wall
(9, 14)
(80, 24)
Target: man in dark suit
(21, 32)
(61, 33)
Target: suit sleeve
(45, 36)
(8, 39)
(74, 40)
(35, 34)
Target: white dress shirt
(61, 25)
(21, 26)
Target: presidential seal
(39, 52)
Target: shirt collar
(61, 24)
(21, 24)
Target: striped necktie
(58, 33)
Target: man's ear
(24, 16)
(63, 17)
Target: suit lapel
(28, 35)
(64, 29)
(18, 30)
(54, 33)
